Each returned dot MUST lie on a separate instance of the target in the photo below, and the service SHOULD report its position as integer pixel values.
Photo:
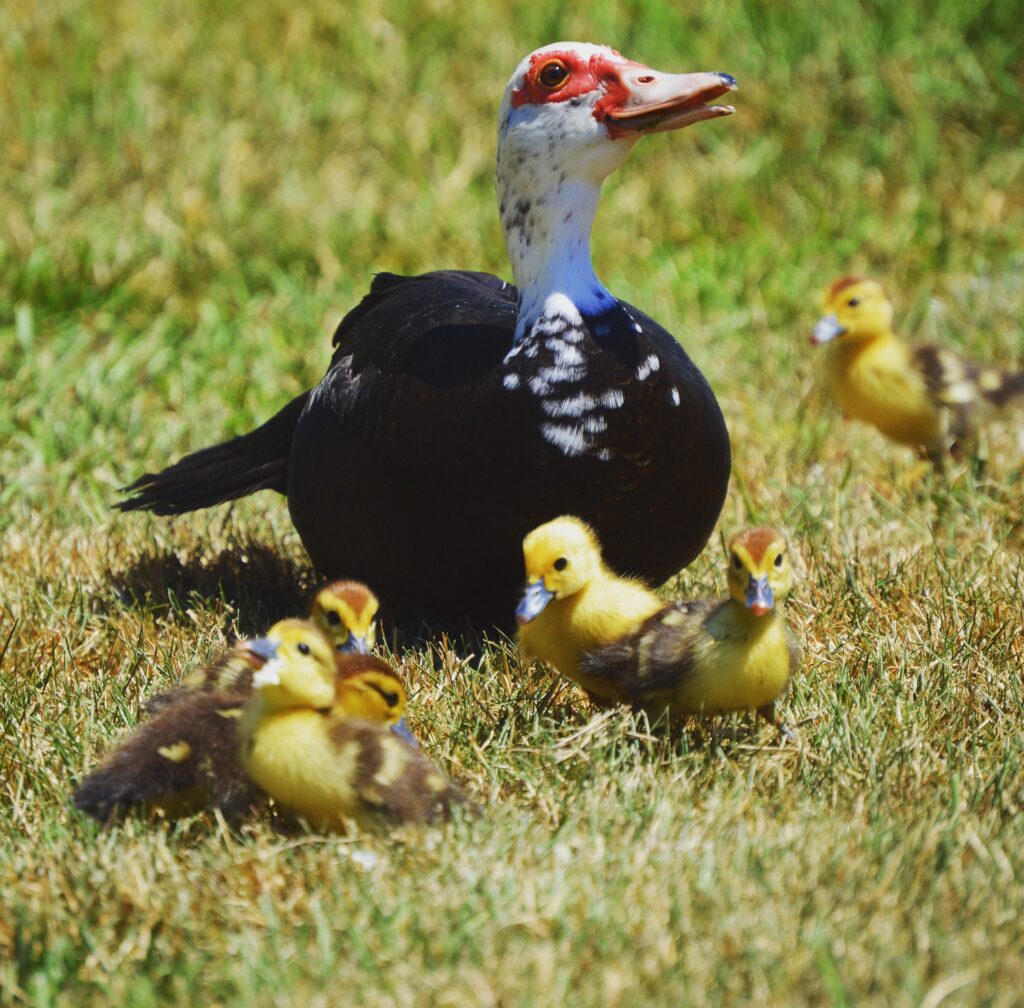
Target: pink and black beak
(647, 101)
(760, 597)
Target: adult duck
(459, 411)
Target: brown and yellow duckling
(345, 612)
(185, 758)
(927, 397)
(316, 760)
(622, 644)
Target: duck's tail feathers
(1002, 388)
(254, 461)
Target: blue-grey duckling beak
(826, 330)
(262, 647)
(354, 645)
(534, 601)
(760, 597)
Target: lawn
(191, 194)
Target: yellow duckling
(926, 397)
(344, 612)
(185, 758)
(319, 762)
(572, 602)
(702, 657)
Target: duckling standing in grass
(927, 397)
(623, 645)
(318, 762)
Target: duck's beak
(354, 644)
(760, 597)
(827, 329)
(648, 101)
(534, 601)
(262, 647)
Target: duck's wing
(184, 759)
(653, 659)
(230, 673)
(445, 328)
(391, 779)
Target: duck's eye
(778, 560)
(561, 563)
(333, 618)
(553, 75)
(737, 562)
(303, 648)
(853, 302)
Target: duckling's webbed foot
(768, 713)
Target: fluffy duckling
(572, 602)
(927, 397)
(623, 645)
(710, 656)
(320, 763)
(186, 757)
(345, 612)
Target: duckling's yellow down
(590, 605)
(926, 396)
(702, 657)
(314, 759)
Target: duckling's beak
(262, 647)
(760, 597)
(534, 601)
(401, 729)
(354, 645)
(827, 329)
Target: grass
(191, 195)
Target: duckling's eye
(778, 560)
(333, 618)
(303, 648)
(561, 563)
(737, 562)
(853, 302)
(553, 75)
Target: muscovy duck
(460, 411)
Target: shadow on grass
(259, 582)
(262, 583)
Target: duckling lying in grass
(617, 640)
(186, 757)
(318, 762)
(344, 612)
(927, 397)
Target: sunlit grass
(190, 197)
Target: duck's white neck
(547, 219)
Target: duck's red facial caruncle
(629, 98)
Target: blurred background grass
(191, 194)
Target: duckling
(318, 762)
(710, 656)
(345, 613)
(185, 758)
(927, 397)
(622, 644)
(572, 601)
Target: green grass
(190, 197)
